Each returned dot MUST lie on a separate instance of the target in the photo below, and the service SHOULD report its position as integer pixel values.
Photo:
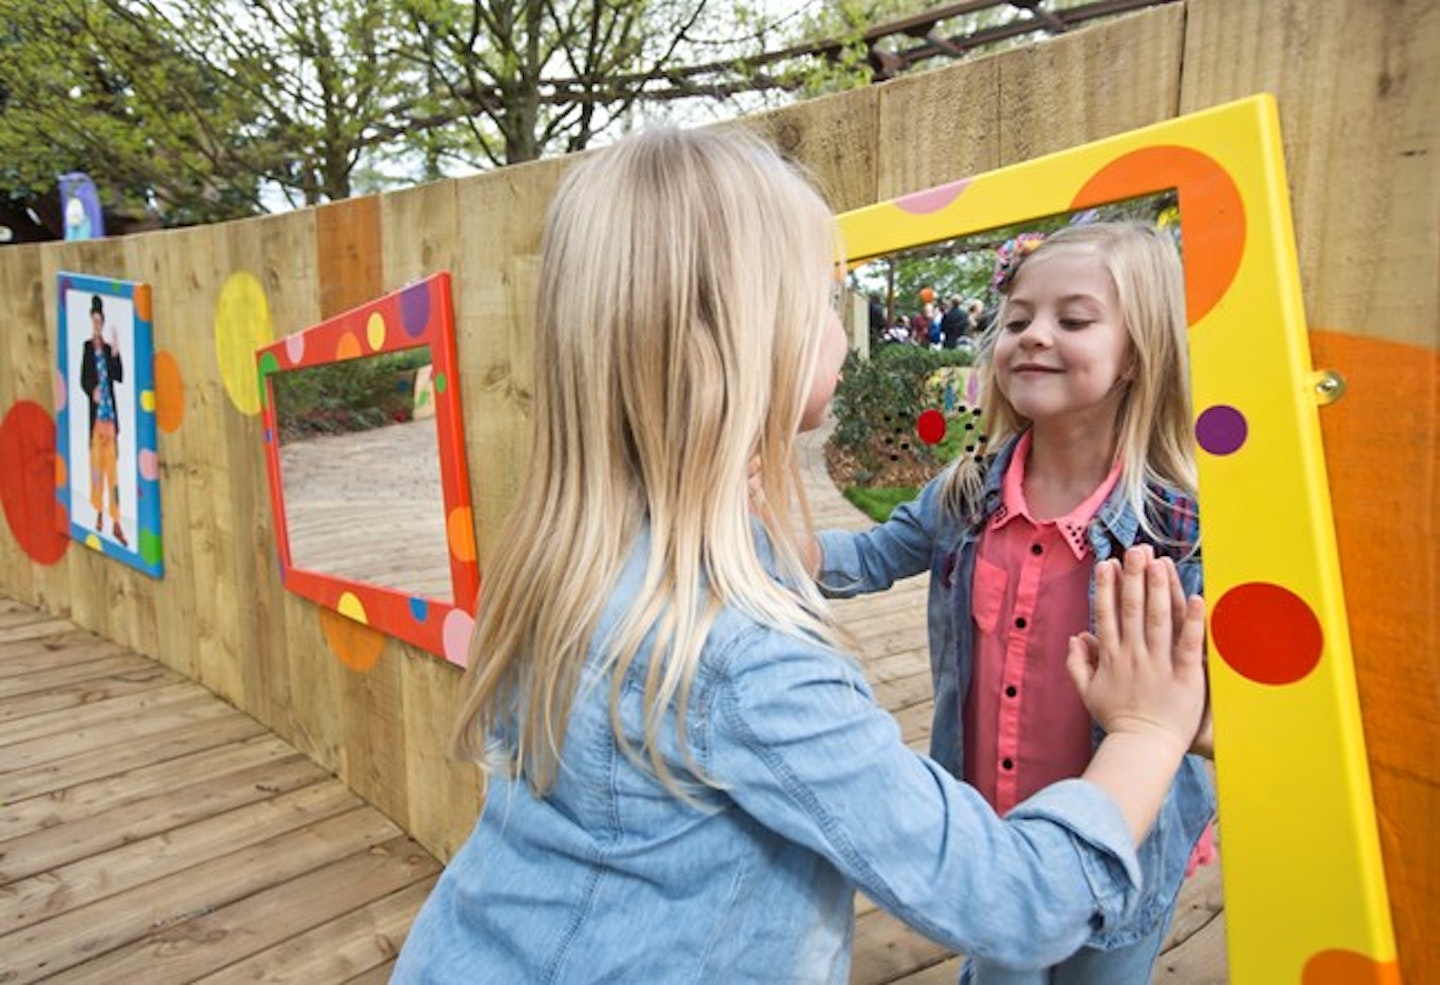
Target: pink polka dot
(149, 465)
(58, 387)
(455, 636)
(932, 199)
(295, 346)
(1266, 633)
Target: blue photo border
(146, 550)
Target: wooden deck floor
(149, 832)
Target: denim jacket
(923, 535)
(611, 878)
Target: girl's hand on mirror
(1204, 744)
(1142, 673)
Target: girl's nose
(1038, 333)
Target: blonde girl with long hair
(687, 779)
(1086, 412)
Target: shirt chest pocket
(987, 594)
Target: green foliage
(879, 502)
(354, 395)
(882, 397)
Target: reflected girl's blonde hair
(1153, 435)
(685, 279)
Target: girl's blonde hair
(1153, 436)
(684, 281)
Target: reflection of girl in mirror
(686, 778)
(100, 369)
(1086, 403)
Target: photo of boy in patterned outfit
(101, 368)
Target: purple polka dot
(1221, 429)
(415, 309)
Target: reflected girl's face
(827, 372)
(1062, 352)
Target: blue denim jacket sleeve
(904, 545)
(798, 742)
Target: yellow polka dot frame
(1304, 884)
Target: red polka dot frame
(1293, 777)
(414, 316)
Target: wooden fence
(1358, 88)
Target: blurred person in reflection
(100, 369)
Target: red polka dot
(1266, 633)
(27, 482)
(930, 426)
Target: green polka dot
(149, 547)
(439, 382)
(268, 364)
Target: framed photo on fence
(107, 480)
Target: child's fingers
(1191, 647)
(1107, 575)
(1159, 623)
(1132, 596)
(1080, 660)
(1177, 596)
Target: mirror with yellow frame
(1290, 761)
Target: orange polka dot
(461, 533)
(169, 393)
(1212, 214)
(1338, 967)
(62, 473)
(348, 347)
(358, 646)
(142, 302)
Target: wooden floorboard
(151, 833)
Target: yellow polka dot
(375, 331)
(147, 400)
(351, 607)
(93, 542)
(242, 325)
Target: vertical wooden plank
(444, 795)
(1358, 90)
(937, 127)
(418, 233)
(497, 264)
(1096, 82)
(347, 253)
(833, 139)
(27, 348)
(280, 251)
(189, 272)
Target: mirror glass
(939, 297)
(360, 471)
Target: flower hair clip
(1009, 257)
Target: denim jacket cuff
(1091, 816)
(839, 564)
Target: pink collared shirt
(1025, 726)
